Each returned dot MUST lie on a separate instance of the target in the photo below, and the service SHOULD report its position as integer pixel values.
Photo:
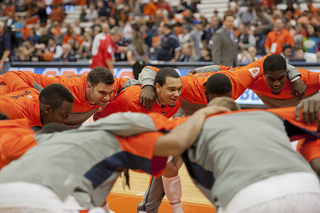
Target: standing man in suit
(224, 44)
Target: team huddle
(241, 160)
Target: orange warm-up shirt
(128, 100)
(22, 104)
(76, 85)
(16, 138)
(275, 40)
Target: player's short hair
(3, 116)
(225, 102)
(53, 127)
(54, 95)
(274, 63)
(100, 74)
(163, 73)
(218, 84)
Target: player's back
(238, 149)
(22, 104)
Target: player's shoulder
(131, 93)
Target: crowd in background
(155, 31)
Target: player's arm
(109, 65)
(183, 136)
(15, 83)
(146, 79)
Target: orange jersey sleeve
(16, 138)
(311, 79)
(22, 104)
(128, 101)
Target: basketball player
(52, 105)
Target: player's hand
(310, 109)
(147, 96)
(191, 72)
(298, 89)
(212, 110)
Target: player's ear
(205, 92)
(158, 87)
(47, 109)
(88, 86)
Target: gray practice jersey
(86, 162)
(236, 150)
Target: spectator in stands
(277, 38)
(70, 34)
(264, 21)
(298, 37)
(9, 9)
(154, 49)
(92, 13)
(245, 39)
(26, 31)
(205, 54)
(311, 7)
(193, 6)
(44, 38)
(286, 51)
(102, 10)
(163, 5)
(76, 48)
(42, 13)
(300, 54)
(21, 54)
(308, 18)
(5, 49)
(260, 39)
(137, 54)
(224, 44)
(181, 7)
(83, 14)
(55, 49)
(85, 55)
(213, 27)
(87, 40)
(169, 43)
(196, 35)
(185, 34)
(33, 36)
(150, 9)
(67, 56)
(186, 54)
(56, 14)
(311, 40)
(247, 16)
(18, 30)
(76, 27)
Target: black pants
(137, 67)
